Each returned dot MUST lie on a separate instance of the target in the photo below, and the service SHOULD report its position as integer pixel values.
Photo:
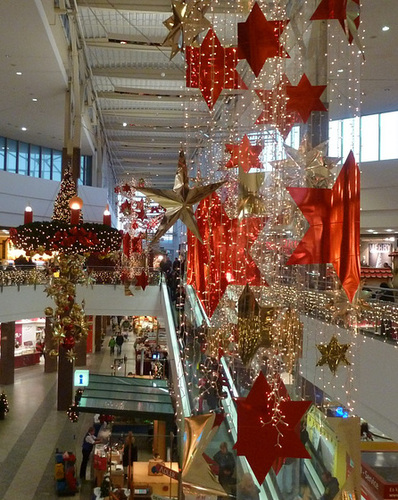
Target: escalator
(185, 370)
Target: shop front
(379, 475)
(29, 341)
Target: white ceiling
(139, 85)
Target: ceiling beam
(160, 6)
(171, 73)
(116, 42)
(152, 161)
(145, 97)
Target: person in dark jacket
(87, 447)
(119, 342)
(331, 486)
(226, 464)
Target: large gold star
(179, 201)
(185, 24)
(333, 354)
(314, 162)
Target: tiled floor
(33, 430)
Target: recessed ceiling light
(389, 230)
(124, 124)
(34, 99)
(370, 230)
(340, 70)
(385, 28)
(24, 128)
(19, 73)
(162, 75)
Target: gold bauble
(48, 311)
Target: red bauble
(69, 342)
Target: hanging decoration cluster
(68, 242)
(255, 244)
(69, 320)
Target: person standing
(331, 486)
(226, 465)
(119, 342)
(111, 344)
(87, 447)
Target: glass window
(23, 158)
(370, 138)
(34, 170)
(350, 137)
(45, 163)
(2, 153)
(80, 180)
(335, 138)
(389, 135)
(57, 165)
(88, 171)
(293, 139)
(11, 155)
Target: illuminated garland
(57, 236)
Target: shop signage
(166, 471)
(81, 378)
(384, 490)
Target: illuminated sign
(81, 378)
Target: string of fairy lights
(234, 114)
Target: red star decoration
(212, 68)
(268, 426)
(126, 207)
(141, 215)
(333, 235)
(223, 259)
(258, 39)
(345, 11)
(142, 280)
(244, 155)
(304, 98)
(275, 108)
(126, 188)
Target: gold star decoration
(185, 24)
(345, 312)
(179, 201)
(333, 354)
(314, 162)
(250, 203)
(254, 325)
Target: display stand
(65, 474)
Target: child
(112, 343)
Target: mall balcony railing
(377, 313)
(29, 275)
